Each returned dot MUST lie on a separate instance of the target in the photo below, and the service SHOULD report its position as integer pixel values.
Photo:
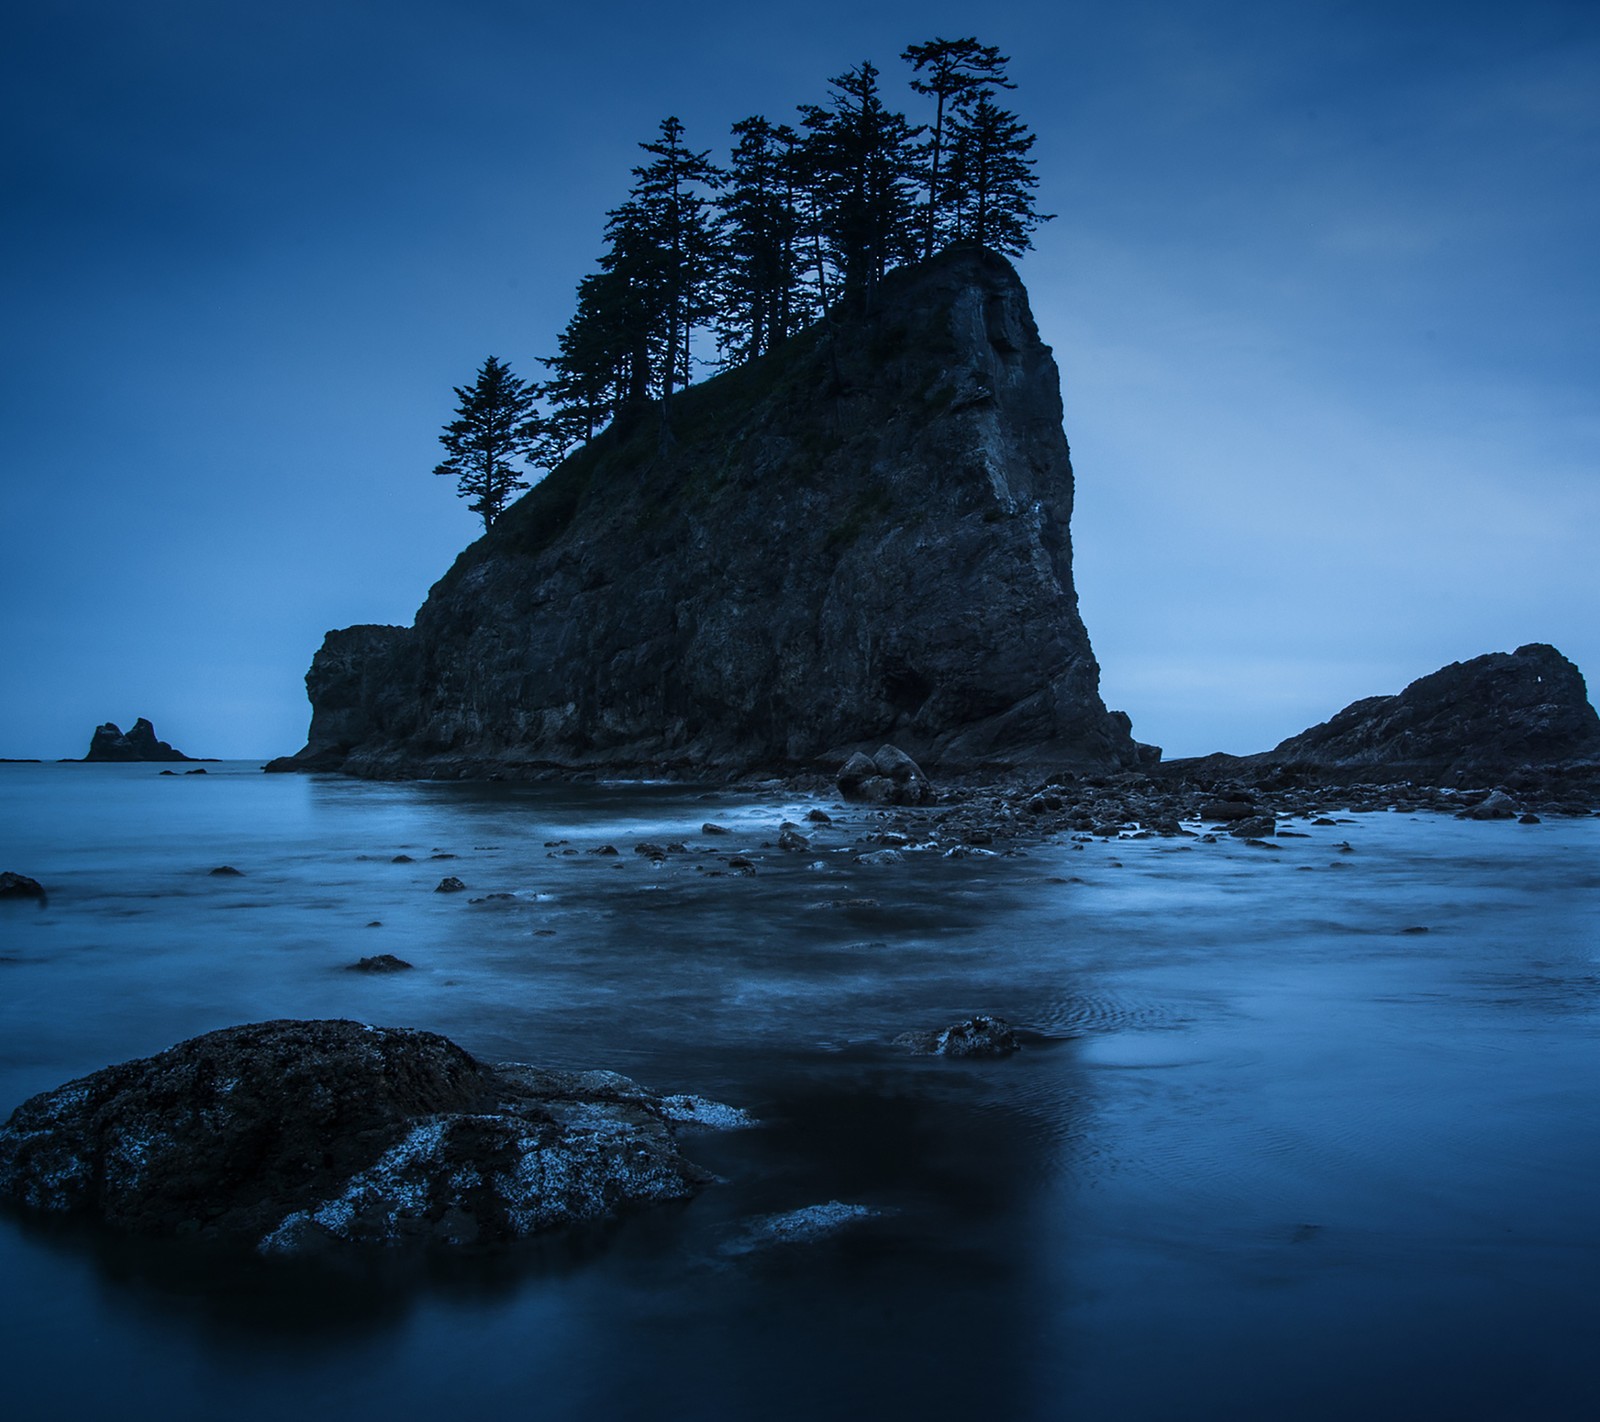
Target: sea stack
(110, 743)
(859, 539)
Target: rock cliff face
(1495, 714)
(861, 538)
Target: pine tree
(495, 430)
(861, 159)
(676, 219)
(759, 295)
(958, 71)
(990, 179)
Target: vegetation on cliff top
(805, 221)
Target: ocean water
(1266, 1153)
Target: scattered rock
(305, 1136)
(20, 886)
(1529, 819)
(790, 838)
(1229, 809)
(402, 859)
(649, 851)
(978, 1036)
(877, 858)
(743, 863)
(227, 871)
(449, 885)
(380, 963)
(819, 817)
(604, 849)
(709, 828)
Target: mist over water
(1266, 1153)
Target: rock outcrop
(1469, 722)
(860, 538)
(110, 742)
(291, 1136)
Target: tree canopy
(804, 217)
(494, 431)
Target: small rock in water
(227, 871)
(605, 849)
(1529, 819)
(649, 851)
(380, 963)
(802, 1226)
(402, 859)
(982, 1035)
(709, 828)
(790, 838)
(819, 817)
(1415, 928)
(450, 885)
(20, 886)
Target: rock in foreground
(301, 1135)
(110, 743)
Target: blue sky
(1322, 286)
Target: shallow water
(1268, 1155)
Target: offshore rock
(860, 538)
(291, 1136)
(20, 886)
(1468, 722)
(110, 743)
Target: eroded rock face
(1495, 714)
(110, 743)
(862, 538)
(292, 1135)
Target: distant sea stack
(860, 538)
(110, 743)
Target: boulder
(890, 777)
(380, 963)
(1496, 806)
(293, 1136)
(857, 769)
